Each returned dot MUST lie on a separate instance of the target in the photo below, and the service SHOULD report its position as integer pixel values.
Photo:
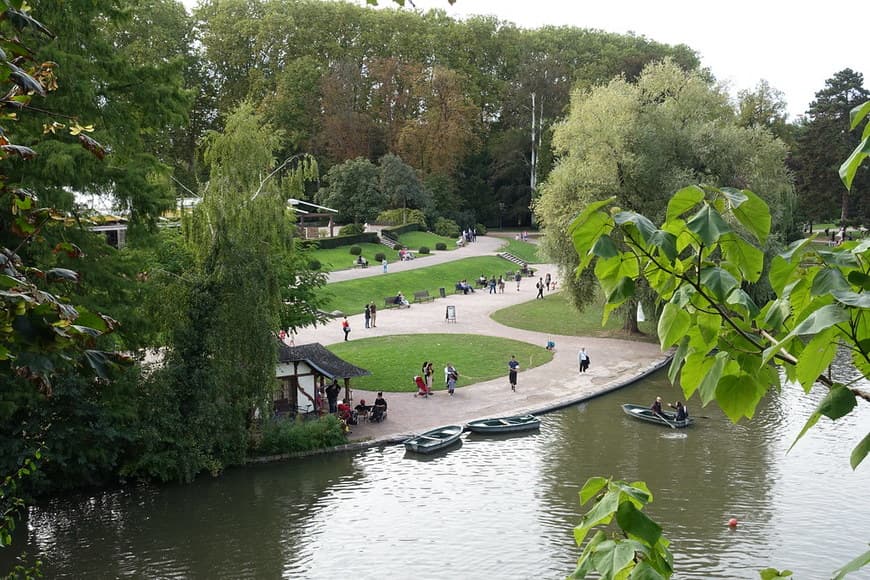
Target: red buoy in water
(732, 522)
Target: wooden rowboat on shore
(434, 440)
(505, 424)
(647, 414)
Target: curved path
(552, 385)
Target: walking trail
(555, 384)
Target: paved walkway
(557, 383)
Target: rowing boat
(647, 414)
(504, 424)
(434, 440)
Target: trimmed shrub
(314, 264)
(447, 228)
(380, 257)
(440, 246)
(292, 436)
(352, 230)
(481, 229)
(355, 250)
(424, 250)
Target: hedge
(338, 241)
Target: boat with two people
(645, 413)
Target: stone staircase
(511, 258)
(390, 243)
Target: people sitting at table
(379, 409)
(362, 410)
(464, 287)
(401, 300)
(360, 261)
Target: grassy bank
(555, 315)
(351, 296)
(395, 360)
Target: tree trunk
(844, 208)
(630, 326)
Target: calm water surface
(494, 507)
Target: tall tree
(353, 189)
(641, 142)
(823, 143)
(765, 107)
(399, 182)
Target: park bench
(390, 302)
(422, 296)
(358, 265)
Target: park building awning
(303, 369)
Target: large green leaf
(644, 571)
(754, 215)
(860, 452)
(707, 387)
(738, 395)
(773, 573)
(611, 558)
(677, 360)
(857, 114)
(601, 513)
(853, 566)
(666, 242)
(587, 227)
(591, 488)
(748, 259)
(673, 324)
(829, 280)
(636, 523)
(719, 281)
(838, 403)
(605, 248)
(640, 223)
(780, 273)
(854, 299)
(684, 200)
(816, 357)
(694, 370)
(708, 225)
(796, 247)
(839, 258)
(824, 317)
(623, 290)
(850, 166)
(740, 298)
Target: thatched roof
(319, 358)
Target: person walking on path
(513, 367)
(384, 265)
(368, 314)
(518, 278)
(345, 326)
(492, 285)
(540, 287)
(373, 310)
(547, 281)
(583, 360)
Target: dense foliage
(451, 98)
(642, 141)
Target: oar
(663, 419)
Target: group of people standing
(371, 315)
(426, 377)
(543, 283)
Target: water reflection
(493, 506)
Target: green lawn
(524, 251)
(395, 360)
(341, 259)
(555, 315)
(413, 240)
(351, 297)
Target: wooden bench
(422, 296)
(390, 302)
